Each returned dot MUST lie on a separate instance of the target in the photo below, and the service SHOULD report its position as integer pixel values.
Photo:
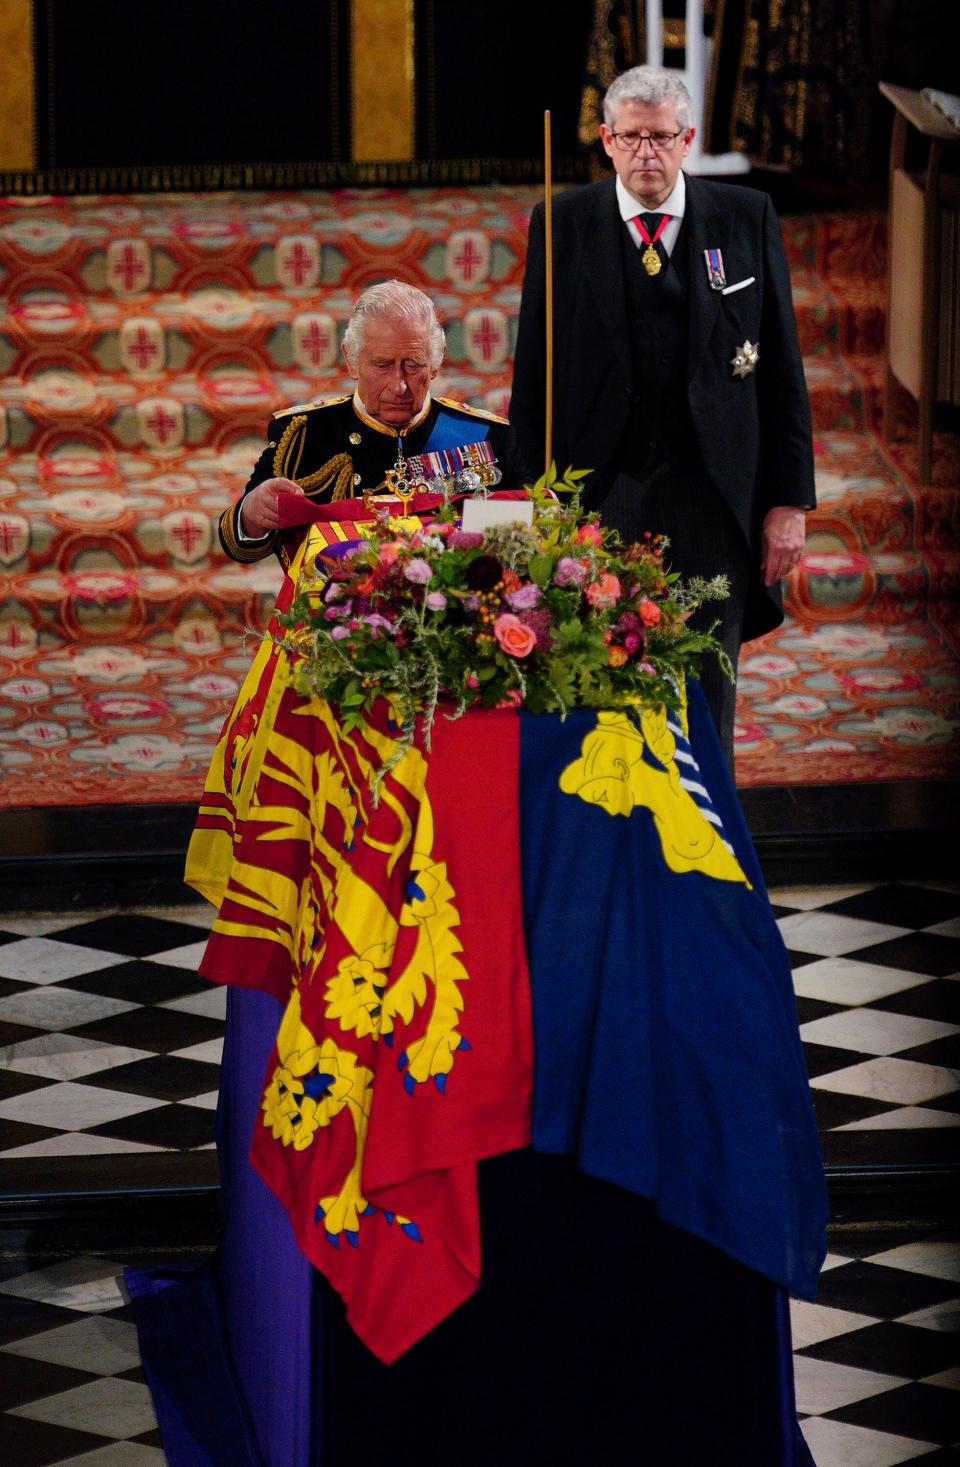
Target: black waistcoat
(658, 310)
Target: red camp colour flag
(404, 1054)
(298, 509)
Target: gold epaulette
(474, 412)
(318, 402)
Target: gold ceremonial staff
(548, 267)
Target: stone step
(274, 330)
(93, 596)
(97, 591)
(161, 505)
(131, 246)
(234, 398)
(268, 331)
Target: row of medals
(403, 481)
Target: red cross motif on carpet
(187, 535)
(298, 260)
(14, 538)
(486, 333)
(16, 637)
(161, 422)
(128, 265)
(468, 257)
(314, 338)
(141, 346)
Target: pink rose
(604, 592)
(515, 639)
(589, 535)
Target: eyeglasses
(659, 141)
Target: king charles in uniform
(339, 447)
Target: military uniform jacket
(334, 450)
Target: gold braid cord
(335, 475)
(239, 549)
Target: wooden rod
(548, 268)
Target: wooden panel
(904, 335)
(381, 47)
(905, 327)
(17, 144)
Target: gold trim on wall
(381, 64)
(17, 137)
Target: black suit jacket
(754, 433)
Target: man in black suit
(677, 373)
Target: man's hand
(784, 533)
(258, 513)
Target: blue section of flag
(451, 431)
(668, 1059)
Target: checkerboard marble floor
(110, 1043)
(875, 1360)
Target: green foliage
(557, 616)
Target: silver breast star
(745, 359)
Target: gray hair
(650, 84)
(396, 301)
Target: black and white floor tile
(71, 1387)
(110, 1043)
(876, 1361)
(875, 971)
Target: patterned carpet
(144, 342)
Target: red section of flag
(380, 1186)
(297, 509)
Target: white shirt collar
(674, 204)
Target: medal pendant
(651, 261)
